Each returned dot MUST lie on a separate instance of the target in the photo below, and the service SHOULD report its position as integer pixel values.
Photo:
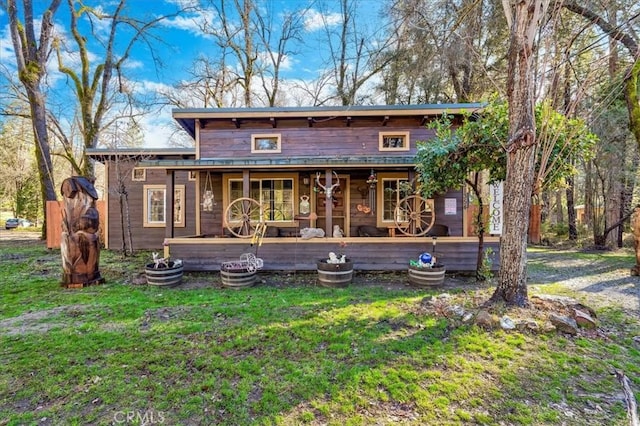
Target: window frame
(235, 177)
(180, 190)
(256, 150)
(138, 178)
(380, 219)
(404, 134)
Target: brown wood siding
(303, 122)
(211, 222)
(314, 141)
(144, 237)
(453, 222)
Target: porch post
(170, 201)
(328, 209)
(246, 184)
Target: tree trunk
(523, 18)
(43, 151)
(559, 209)
(571, 209)
(480, 228)
(613, 206)
(535, 220)
(589, 194)
(512, 281)
(31, 58)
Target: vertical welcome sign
(496, 213)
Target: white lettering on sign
(496, 208)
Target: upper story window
(270, 143)
(394, 141)
(138, 174)
(155, 206)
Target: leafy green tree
(458, 155)
(19, 186)
(28, 197)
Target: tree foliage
(459, 152)
(19, 186)
(478, 143)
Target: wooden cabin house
(322, 179)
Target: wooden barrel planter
(238, 278)
(163, 276)
(241, 273)
(425, 277)
(335, 274)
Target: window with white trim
(266, 143)
(393, 141)
(391, 189)
(155, 206)
(138, 174)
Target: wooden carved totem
(79, 243)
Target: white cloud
(192, 23)
(183, 4)
(157, 129)
(7, 55)
(315, 20)
(286, 62)
(133, 64)
(153, 86)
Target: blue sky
(183, 40)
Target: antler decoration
(329, 191)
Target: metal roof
(104, 154)
(280, 163)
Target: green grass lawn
(284, 354)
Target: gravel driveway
(18, 236)
(604, 282)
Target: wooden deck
(295, 254)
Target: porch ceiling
(248, 163)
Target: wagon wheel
(242, 217)
(414, 215)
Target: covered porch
(294, 254)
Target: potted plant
(336, 270)
(164, 272)
(426, 270)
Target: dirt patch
(42, 321)
(19, 237)
(389, 280)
